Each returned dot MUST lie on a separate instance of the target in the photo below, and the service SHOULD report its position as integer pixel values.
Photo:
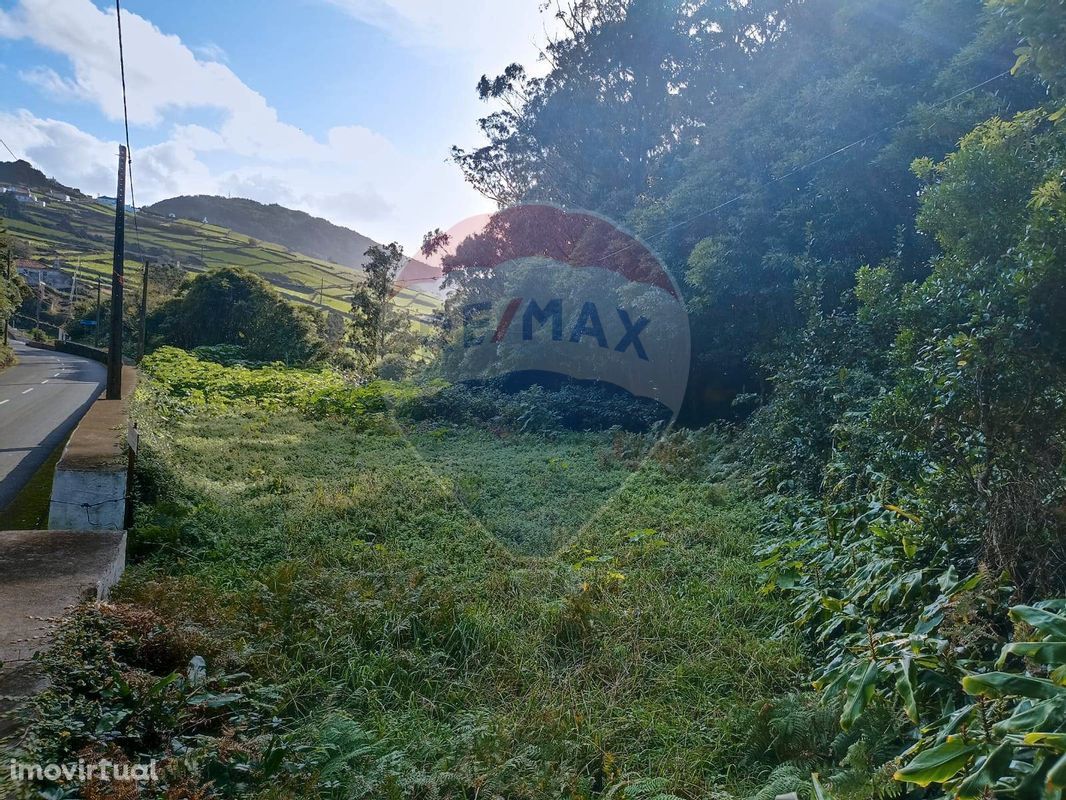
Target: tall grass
(442, 610)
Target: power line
(9, 149)
(801, 167)
(126, 121)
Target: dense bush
(916, 452)
(572, 406)
(232, 306)
(219, 376)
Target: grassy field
(426, 610)
(79, 235)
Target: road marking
(28, 390)
(57, 374)
(45, 381)
(5, 401)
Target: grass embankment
(434, 610)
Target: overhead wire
(126, 123)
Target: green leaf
(1056, 777)
(1023, 53)
(905, 687)
(937, 764)
(160, 685)
(215, 700)
(1004, 684)
(950, 725)
(819, 792)
(1047, 622)
(1056, 741)
(1040, 652)
(860, 690)
(1032, 786)
(994, 767)
(1034, 717)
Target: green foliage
(914, 450)
(13, 288)
(764, 147)
(184, 382)
(411, 652)
(380, 330)
(127, 685)
(1041, 25)
(219, 377)
(571, 406)
(235, 307)
(1010, 738)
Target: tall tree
(380, 327)
(762, 148)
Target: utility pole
(144, 310)
(40, 293)
(96, 333)
(114, 351)
(7, 275)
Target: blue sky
(343, 108)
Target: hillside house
(110, 202)
(36, 273)
(22, 194)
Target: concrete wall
(75, 349)
(89, 490)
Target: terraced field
(78, 234)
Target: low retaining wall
(73, 348)
(91, 479)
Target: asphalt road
(41, 400)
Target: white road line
(28, 390)
(5, 401)
(45, 381)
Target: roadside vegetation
(395, 606)
(13, 291)
(843, 575)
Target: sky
(346, 109)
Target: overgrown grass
(443, 611)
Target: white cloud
(494, 33)
(70, 155)
(51, 82)
(209, 51)
(353, 175)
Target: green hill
(22, 173)
(297, 230)
(77, 236)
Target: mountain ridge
(23, 173)
(297, 230)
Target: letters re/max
(475, 319)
